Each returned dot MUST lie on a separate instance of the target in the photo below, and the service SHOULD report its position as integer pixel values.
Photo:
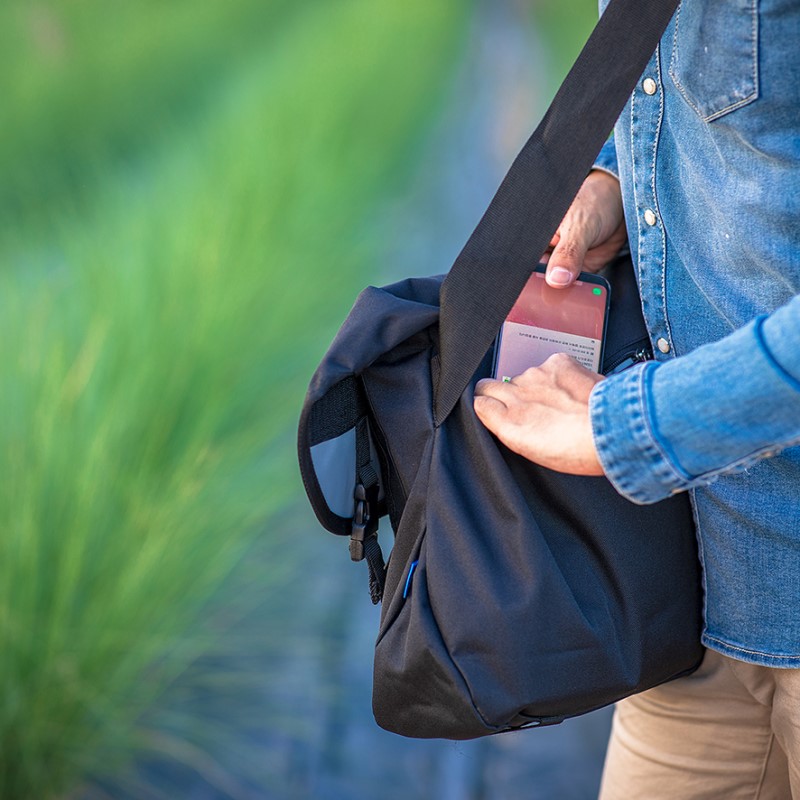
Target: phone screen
(544, 321)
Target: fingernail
(559, 276)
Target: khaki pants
(722, 733)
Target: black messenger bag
(514, 596)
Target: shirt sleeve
(661, 428)
(607, 159)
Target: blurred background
(191, 196)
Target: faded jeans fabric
(708, 154)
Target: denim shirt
(708, 154)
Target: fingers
(566, 260)
(544, 415)
(591, 233)
(553, 242)
(489, 407)
(490, 411)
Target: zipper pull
(640, 355)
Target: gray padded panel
(335, 465)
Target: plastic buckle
(365, 520)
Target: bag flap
(335, 442)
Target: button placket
(647, 108)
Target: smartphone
(545, 320)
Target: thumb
(566, 260)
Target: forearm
(661, 428)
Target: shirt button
(649, 86)
(650, 217)
(663, 345)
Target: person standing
(702, 178)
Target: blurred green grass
(562, 27)
(186, 193)
(86, 83)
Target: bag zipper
(643, 354)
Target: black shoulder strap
(491, 270)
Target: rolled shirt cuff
(607, 159)
(623, 437)
(661, 428)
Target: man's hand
(544, 414)
(591, 233)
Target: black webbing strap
(377, 568)
(491, 270)
(364, 535)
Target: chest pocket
(714, 61)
